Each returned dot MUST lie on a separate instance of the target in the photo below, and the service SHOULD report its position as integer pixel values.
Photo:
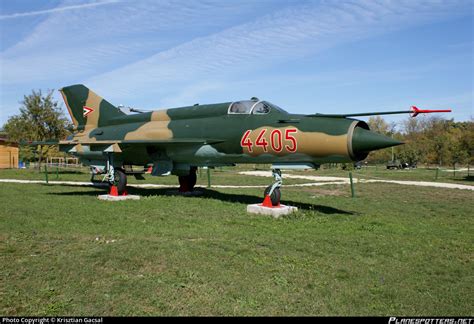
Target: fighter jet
(179, 140)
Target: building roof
(5, 141)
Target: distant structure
(8, 153)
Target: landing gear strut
(272, 193)
(187, 183)
(116, 178)
(120, 181)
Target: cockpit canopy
(256, 107)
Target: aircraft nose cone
(364, 140)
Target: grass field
(393, 250)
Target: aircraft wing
(149, 142)
(414, 111)
(201, 141)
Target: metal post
(352, 185)
(46, 172)
(437, 171)
(208, 177)
(57, 172)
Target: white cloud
(58, 9)
(88, 42)
(274, 38)
(179, 50)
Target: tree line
(430, 140)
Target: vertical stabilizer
(87, 109)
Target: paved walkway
(339, 180)
(151, 185)
(316, 181)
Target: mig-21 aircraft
(179, 140)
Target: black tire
(275, 197)
(183, 183)
(192, 178)
(120, 180)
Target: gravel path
(339, 180)
(316, 181)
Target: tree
(40, 119)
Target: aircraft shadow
(211, 194)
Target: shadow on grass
(209, 194)
(469, 178)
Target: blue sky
(305, 56)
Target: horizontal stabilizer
(35, 143)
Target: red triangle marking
(86, 111)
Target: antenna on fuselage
(129, 110)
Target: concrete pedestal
(273, 211)
(118, 198)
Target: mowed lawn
(393, 250)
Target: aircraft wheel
(183, 183)
(275, 197)
(187, 183)
(120, 180)
(192, 178)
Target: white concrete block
(273, 211)
(118, 198)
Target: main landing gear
(187, 183)
(116, 178)
(272, 193)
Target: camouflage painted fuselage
(208, 135)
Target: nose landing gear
(272, 193)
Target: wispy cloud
(92, 41)
(57, 9)
(173, 52)
(288, 34)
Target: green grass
(394, 250)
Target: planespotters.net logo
(404, 320)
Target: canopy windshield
(252, 107)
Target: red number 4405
(275, 137)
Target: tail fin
(87, 109)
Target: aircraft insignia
(86, 111)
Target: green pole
(46, 173)
(352, 185)
(454, 170)
(208, 177)
(437, 171)
(57, 172)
